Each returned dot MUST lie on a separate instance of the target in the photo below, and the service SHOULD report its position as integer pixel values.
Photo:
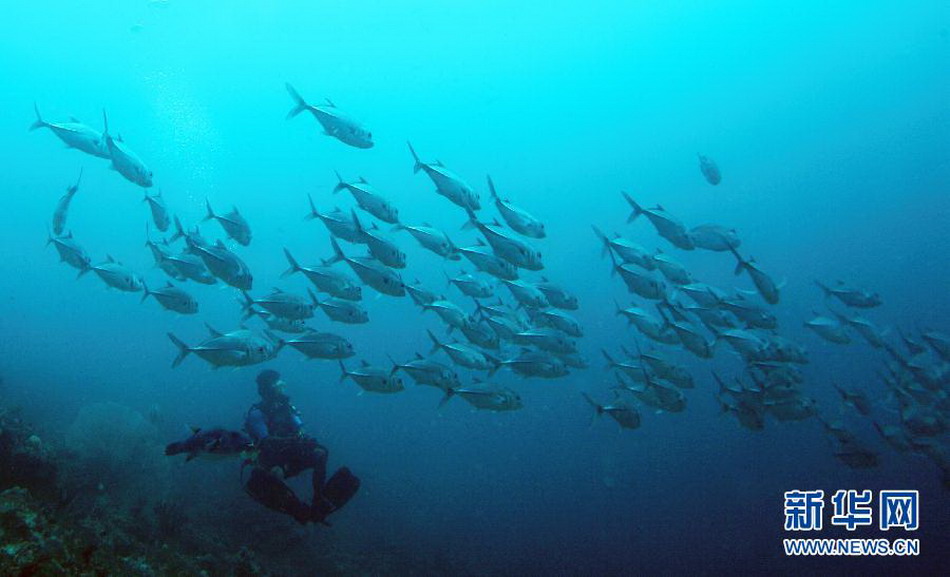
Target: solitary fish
(709, 169)
(233, 224)
(124, 161)
(517, 219)
(335, 122)
(159, 211)
(447, 183)
(74, 134)
(62, 207)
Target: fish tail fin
(247, 306)
(610, 360)
(145, 292)
(294, 266)
(360, 230)
(183, 350)
(740, 262)
(337, 252)
(343, 372)
(105, 125)
(449, 393)
(39, 123)
(210, 212)
(83, 271)
(415, 157)
(825, 288)
(603, 238)
(598, 409)
(436, 345)
(491, 189)
(299, 103)
(637, 209)
(179, 230)
(340, 185)
(313, 209)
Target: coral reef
(96, 507)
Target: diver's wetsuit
(276, 428)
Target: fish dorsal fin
(419, 356)
(235, 210)
(214, 332)
(363, 180)
(220, 244)
(194, 430)
(363, 363)
(74, 119)
(660, 207)
(168, 284)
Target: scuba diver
(276, 429)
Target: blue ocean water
(829, 123)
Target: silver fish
(517, 219)
(280, 303)
(318, 345)
(447, 183)
(432, 239)
(763, 283)
(62, 207)
(369, 199)
(234, 225)
(342, 311)
(70, 252)
(371, 271)
(335, 122)
(429, 372)
(511, 248)
(373, 379)
(709, 169)
(237, 348)
(156, 205)
(527, 294)
(465, 355)
(75, 135)
(172, 298)
(626, 416)
(124, 161)
(666, 224)
(118, 276)
(486, 397)
(226, 265)
(558, 297)
(714, 237)
(473, 286)
(486, 261)
(339, 223)
(628, 251)
(380, 247)
(851, 296)
(326, 279)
